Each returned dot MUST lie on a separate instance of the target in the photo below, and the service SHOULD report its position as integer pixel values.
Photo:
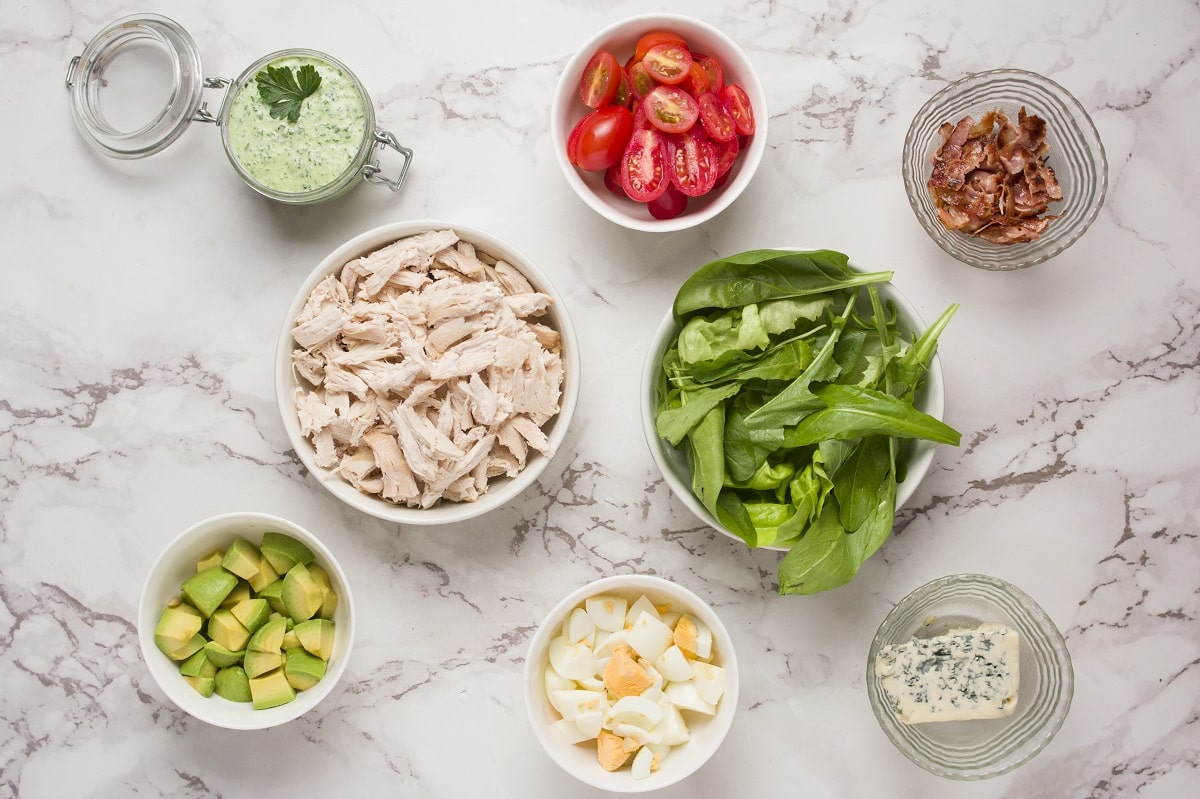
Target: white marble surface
(142, 301)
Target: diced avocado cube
(203, 685)
(290, 640)
(222, 657)
(175, 628)
(271, 690)
(206, 590)
(265, 576)
(210, 560)
(252, 613)
(194, 645)
(329, 603)
(233, 684)
(283, 552)
(240, 592)
(198, 665)
(319, 574)
(256, 663)
(226, 630)
(269, 637)
(301, 594)
(271, 594)
(242, 558)
(316, 636)
(302, 670)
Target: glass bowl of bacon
(1004, 169)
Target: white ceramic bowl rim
(501, 490)
(673, 466)
(566, 109)
(702, 745)
(163, 580)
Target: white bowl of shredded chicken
(426, 372)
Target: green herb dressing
(307, 154)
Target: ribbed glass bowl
(1076, 155)
(974, 750)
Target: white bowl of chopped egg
(631, 683)
(426, 372)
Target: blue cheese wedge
(962, 675)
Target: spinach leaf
(821, 559)
(852, 412)
(707, 457)
(760, 275)
(675, 423)
(875, 529)
(732, 513)
(788, 405)
(857, 480)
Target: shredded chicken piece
(994, 182)
(421, 373)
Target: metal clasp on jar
(373, 173)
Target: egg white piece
(649, 637)
(640, 768)
(703, 638)
(641, 605)
(636, 710)
(634, 733)
(572, 703)
(672, 730)
(709, 681)
(590, 723)
(674, 665)
(570, 731)
(573, 661)
(605, 645)
(669, 618)
(580, 628)
(592, 683)
(684, 696)
(556, 682)
(607, 612)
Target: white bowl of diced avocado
(246, 621)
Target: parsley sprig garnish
(284, 90)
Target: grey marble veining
(142, 302)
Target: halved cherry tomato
(651, 39)
(727, 153)
(612, 180)
(670, 204)
(624, 94)
(668, 62)
(717, 122)
(671, 109)
(697, 81)
(599, 81)
(738, 104)
(693, 162)
(644, 165)
(641, 80)
(716, 73)
(598, 140)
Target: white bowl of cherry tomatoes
(659, 122)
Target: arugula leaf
(284, 90)
(852, 412)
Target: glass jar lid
(136, 86)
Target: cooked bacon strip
(994, 182)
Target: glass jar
(138, 85)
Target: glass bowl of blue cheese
(969, 677)
(297, 125)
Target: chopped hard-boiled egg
(606, 612)
(620, 674)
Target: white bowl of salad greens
(793, 401)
